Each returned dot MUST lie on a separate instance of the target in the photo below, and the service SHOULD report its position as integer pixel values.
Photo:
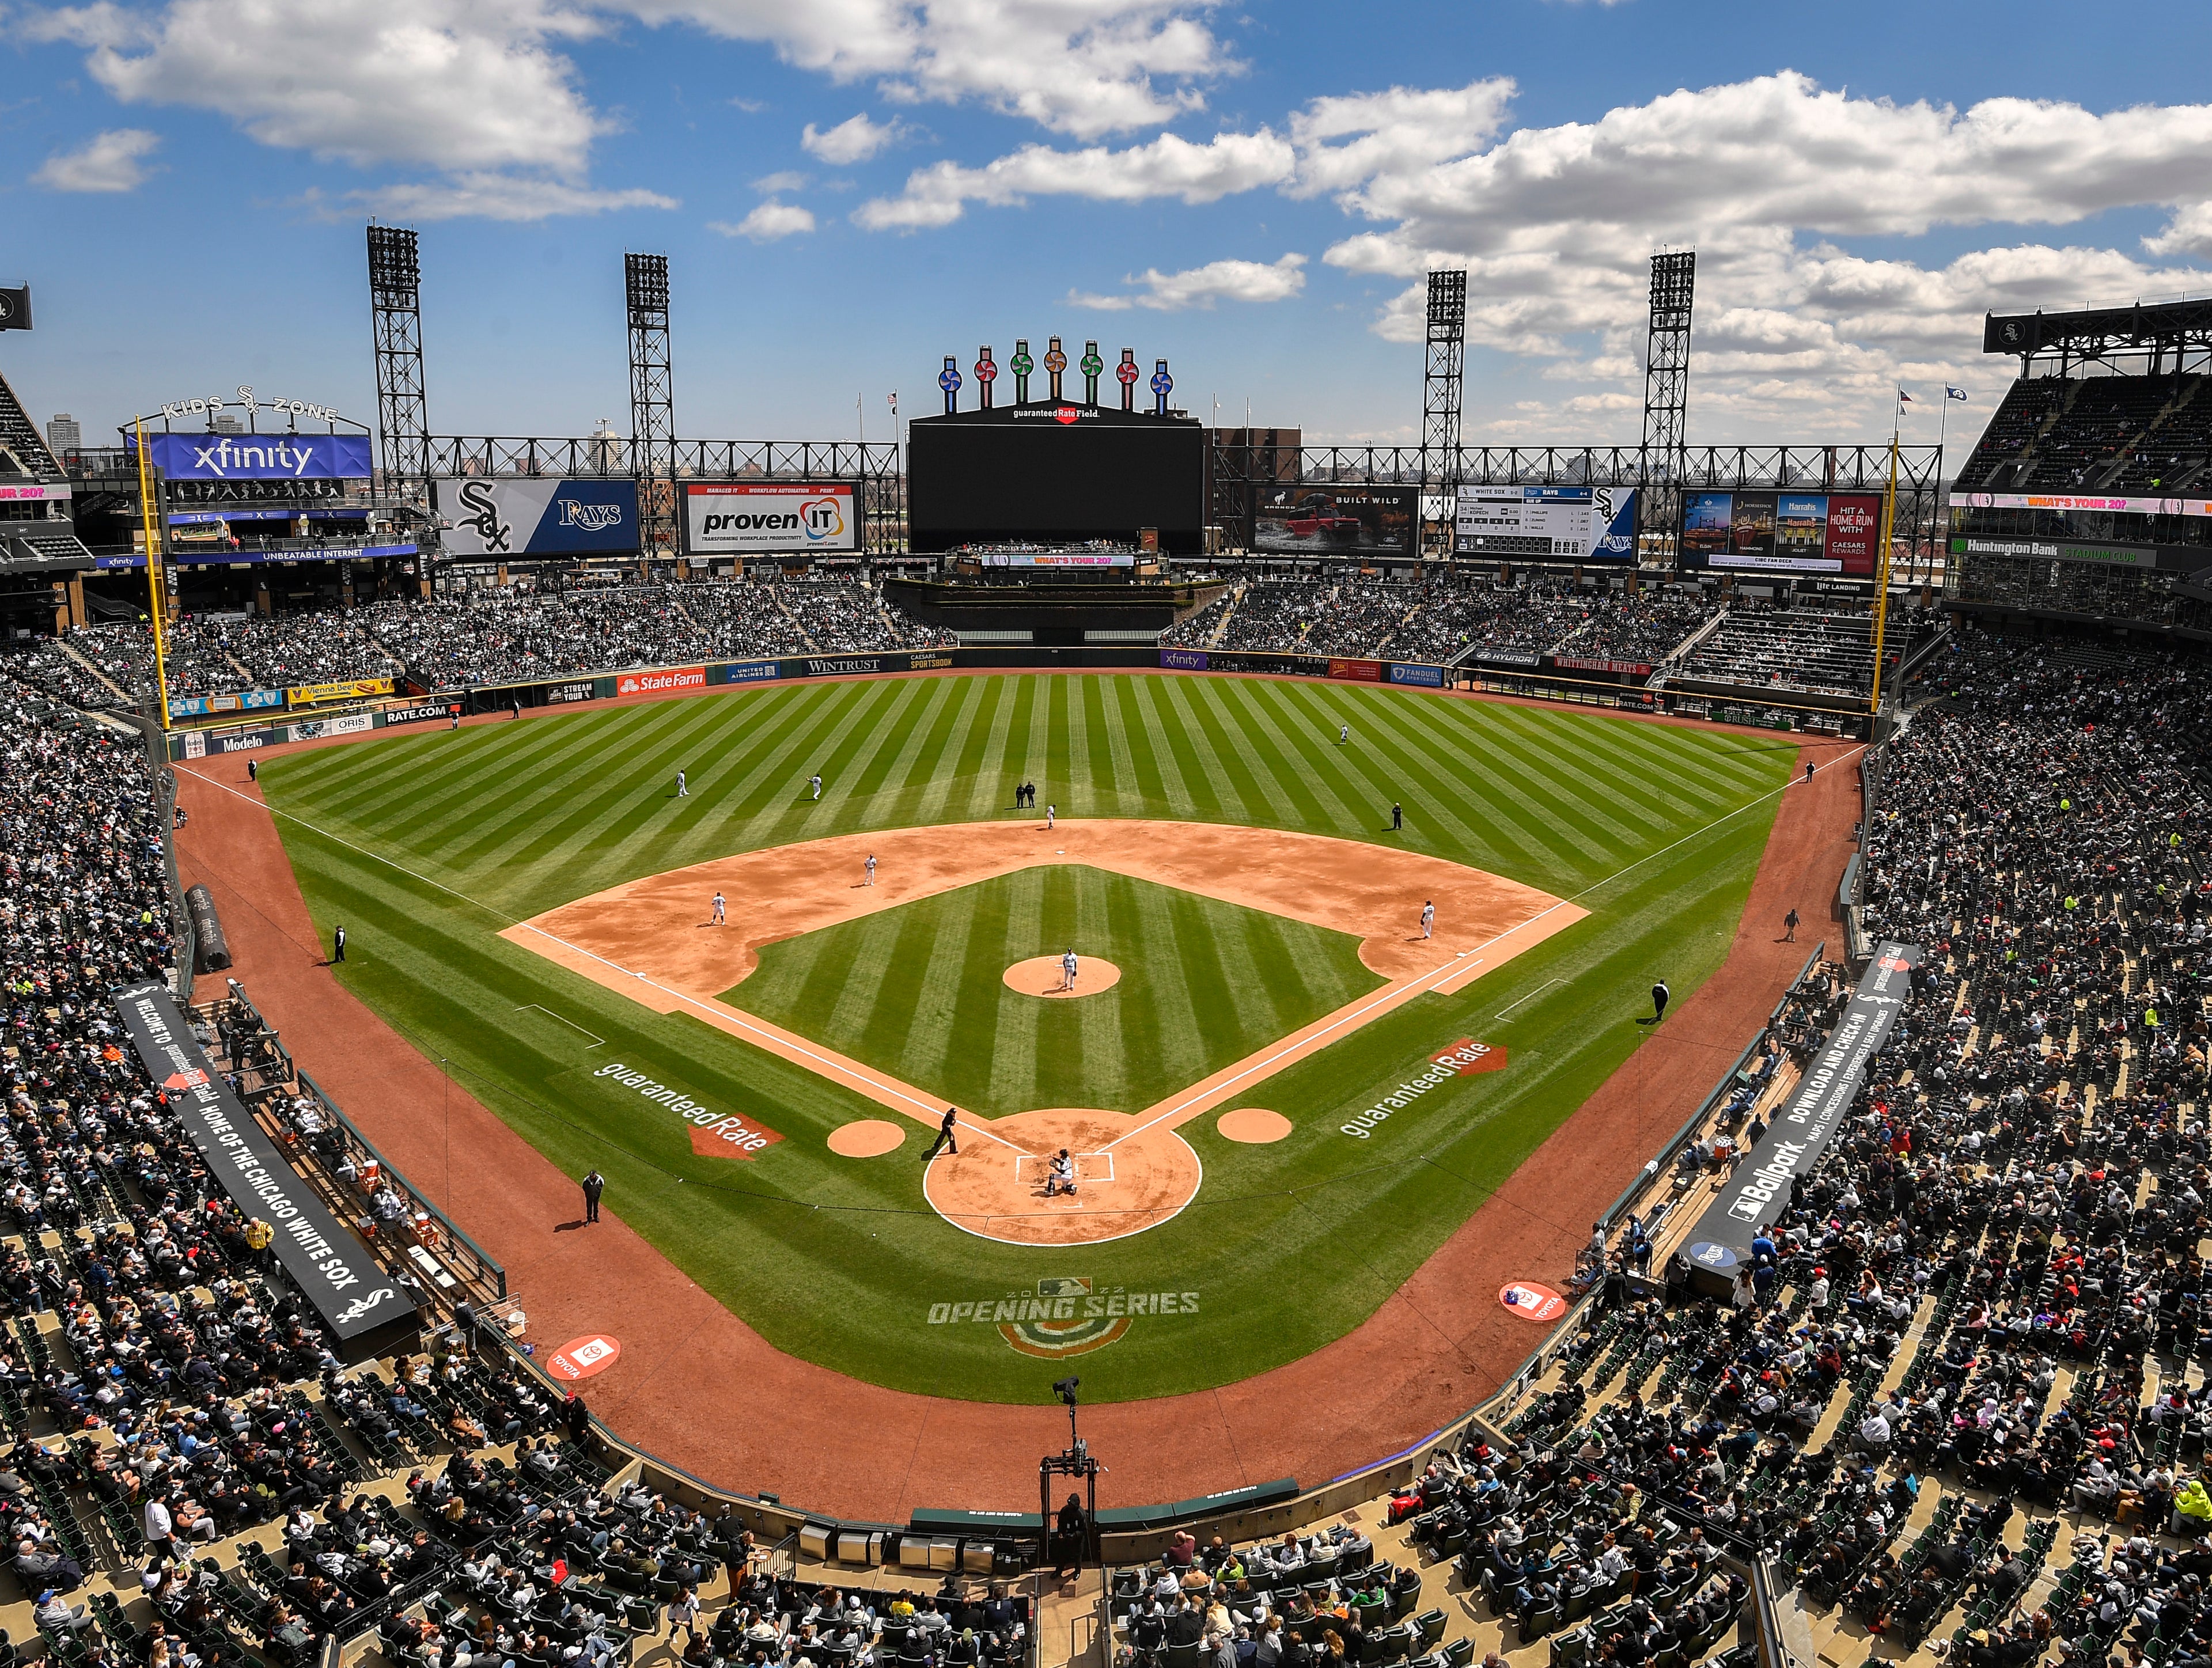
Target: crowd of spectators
(1789, 651)
(1976, 1325)
(1645, 627)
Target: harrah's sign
(647, 683)
(1459, 1061)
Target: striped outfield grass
(1656, 830)
(919, 991)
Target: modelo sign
(756, 517)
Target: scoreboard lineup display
(1553, 523)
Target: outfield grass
(1656, 830)
(919, 991)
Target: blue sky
(850, 189)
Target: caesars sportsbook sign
(766, 518)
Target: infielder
(1050, 811)
(1067, 965)
(1428, 918)
(1061, 1179)
(817, 785)
(720, 916)
(870, 867)
(682, 790)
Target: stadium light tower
(1442, 379)
(652, 402)
(1667, 386)
(395, 304)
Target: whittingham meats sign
(356, 1298)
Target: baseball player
(817, 784)
(1050, 811)
(1061, 1178)
(1428, 918)
(1067, 971)
(869, 865)
(1344, 736)
(682, 789)
(720, 916)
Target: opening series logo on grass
(1064, 1317)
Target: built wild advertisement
(358, 1301)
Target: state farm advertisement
(762, 518)
(653, 683)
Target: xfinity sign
(759, 518)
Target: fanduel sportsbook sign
(1807, 1123)
(356, 1298)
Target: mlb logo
(1064, 1288)
(1745, 1210)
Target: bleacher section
(1785, 651)
(2099, 436)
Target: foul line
(1531, 996)
(719, 1016)
(598, 1041)
(1394, 994)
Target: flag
(893, 397)
(1951, 393)
(1904, 398)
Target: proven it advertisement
(762, 518)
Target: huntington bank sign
(1462, 1058)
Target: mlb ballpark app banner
(1548, 523)
(761, 518)
(525, 516)
(1782, 532)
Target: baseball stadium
(1245, 1053)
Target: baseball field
(1277, 1095)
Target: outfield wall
(1618, 688)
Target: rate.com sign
(759, 518)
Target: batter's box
(1089, 1166)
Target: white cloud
(1169, 166)
(1081, 66)
(854, 141)
(110, 161)
(788, 180)
(489, 196)
(1393, 132)
(767, 222)
(455, 84)
(1202, 286)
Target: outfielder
(1428, 918)
(720, 916)
(1344, 736)
(683, 791)
(870, 867)
(817, 784)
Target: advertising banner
(1183, 660)
(192, 707)
(1568, 662)
(748, 671)
(749, 517)
(2101, 552)
(245, 741)
(2052, 501)
(647, 683)
(357, 688)
(1359, 672)
(1333, 520)
(1548, 524)
(38, 492)
(356, 1298)
(1424, 677)
(525, 516)
(421, 713)
(1059, 559)
(1781, 533)
(1514, 657)
(1806, 1123)
(346, 723)
(261, 457)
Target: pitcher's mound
(868, 1138)
(1253, 1125)
(1041, 976)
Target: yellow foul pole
(1881, 572)
(154, 588)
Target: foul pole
(154, 585)
(1881, 572)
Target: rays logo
(477, 498)
(592, 517)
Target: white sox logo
(361, 1305)
(476, 496)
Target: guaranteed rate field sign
(768, 518)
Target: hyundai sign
(760, 518)
(261, 456)
(496, 517)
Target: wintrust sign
(753, 517)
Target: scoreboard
(1548, 524)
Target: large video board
(1548, 524)
(1055, 475)
(1781, 533)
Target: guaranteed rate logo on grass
(713, 1134)
(1462, 1058)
